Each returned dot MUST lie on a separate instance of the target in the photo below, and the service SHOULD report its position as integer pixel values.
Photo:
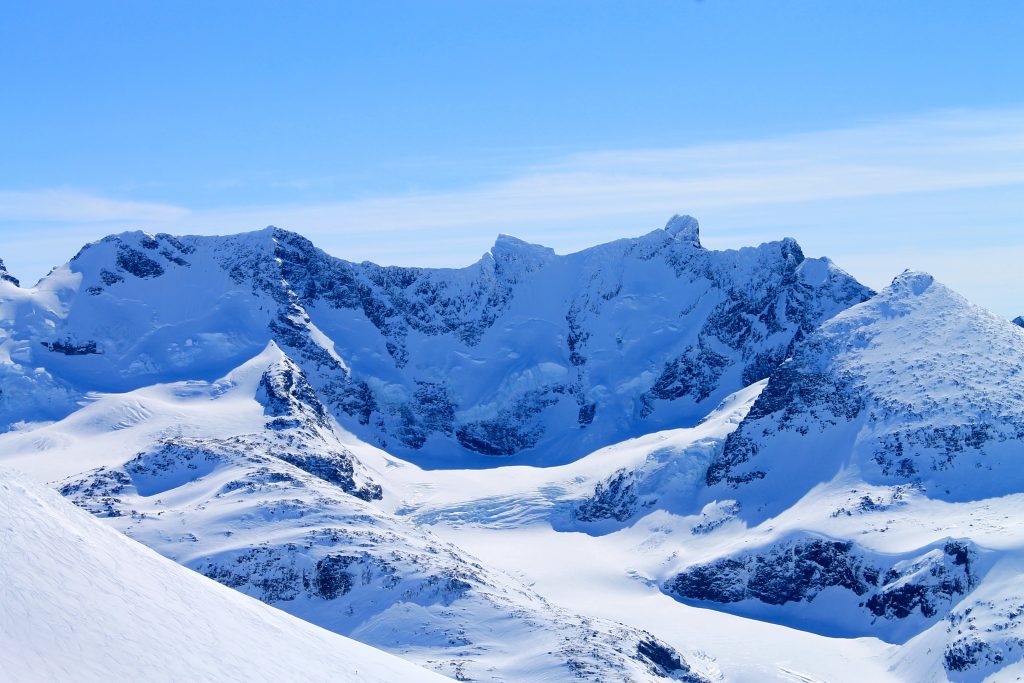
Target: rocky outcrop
(70, 348)
(7, 277)
(924, 584)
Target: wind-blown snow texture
(523, 353)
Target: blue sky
(884, 135)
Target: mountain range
(643, 461)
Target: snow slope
(264, 497)
(80, 602)
(524, 353)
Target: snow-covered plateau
(644, 461)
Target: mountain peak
(508, 249)
(684, 228)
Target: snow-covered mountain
(729, 466)
(916, 387)
(80, 602)
(523, 353)
(7, 277)
(876, 482)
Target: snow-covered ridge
(523, 353)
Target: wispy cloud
(947, 151)
(66, 205)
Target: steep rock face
(915, 386)
(524, 352)
(921, 586)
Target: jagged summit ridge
(523, 351)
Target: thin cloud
(947, 151)
(66, 205)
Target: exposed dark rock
(7, 277)
(69, 348)
(796, 571)
(666, 662)
(137, 263)
(331, 577)
(615, 498)
(109, 278)
(514, 429)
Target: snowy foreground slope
(80, 602)
(524, 353)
